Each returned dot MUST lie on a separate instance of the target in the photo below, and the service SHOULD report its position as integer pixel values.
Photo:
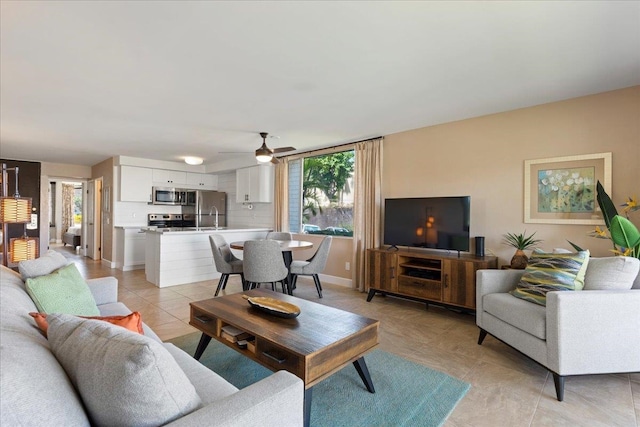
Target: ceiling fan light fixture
(264, 154)
(193, 160)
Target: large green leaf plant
(620, 230)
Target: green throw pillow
(63, 291)
(551, 272)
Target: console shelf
(437, 278)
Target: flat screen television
(428, 222)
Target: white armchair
(578, 332)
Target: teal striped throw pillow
(551, 272)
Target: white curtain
(367, 206)
(68, 192)
(281, 196)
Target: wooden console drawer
(423, 288)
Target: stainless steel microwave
(172, 196)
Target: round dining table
(287, 247)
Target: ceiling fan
(265, 154)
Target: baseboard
(335, 280)
(108, 263)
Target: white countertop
(203, 230)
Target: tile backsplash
(238, 214)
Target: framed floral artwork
(562, 190)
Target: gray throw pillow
(123, 378)
(611, 273)
(46, 264)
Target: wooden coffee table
(313, 346)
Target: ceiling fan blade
(275, 160)
(283, 149)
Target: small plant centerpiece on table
(622, 232)
(520, 242)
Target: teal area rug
(407, 394)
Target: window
(77, 205)
(320, 194)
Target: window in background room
(77, 204)
(320, 194)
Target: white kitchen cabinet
(131, 252)
(202, 181)
(255, 184)
(168, 178)
(135, 184)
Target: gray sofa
(592, 331)
(35, 389)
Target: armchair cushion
(612, 273)
(517, 312)
(551, 272)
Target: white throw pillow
(123, 378)
(611, 273)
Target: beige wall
(62, 170)
(340, 252)
(484, 157)
(104, 170)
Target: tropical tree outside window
(321, 197)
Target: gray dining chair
(279, 235)
(263, 264)
(313, 266)
(226, 263)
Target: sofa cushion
(611, 273)
(551, 272)
(209, 385)
(36, 391)
(519, 313)
(63, 291)
(132, 322)
(122, 377)
(46, 264)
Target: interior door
(89, 218)
(92, 226)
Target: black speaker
(480, 246)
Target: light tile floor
(507, 389)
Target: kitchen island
(179, 256)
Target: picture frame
(562, 190)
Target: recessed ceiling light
(193, 160)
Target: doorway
(93, 224)
(75, 216)
(66, 201)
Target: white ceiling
(82, 81)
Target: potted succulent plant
(520, 242)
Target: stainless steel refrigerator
(209, 210)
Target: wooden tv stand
(431, 277)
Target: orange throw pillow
(132, 322)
